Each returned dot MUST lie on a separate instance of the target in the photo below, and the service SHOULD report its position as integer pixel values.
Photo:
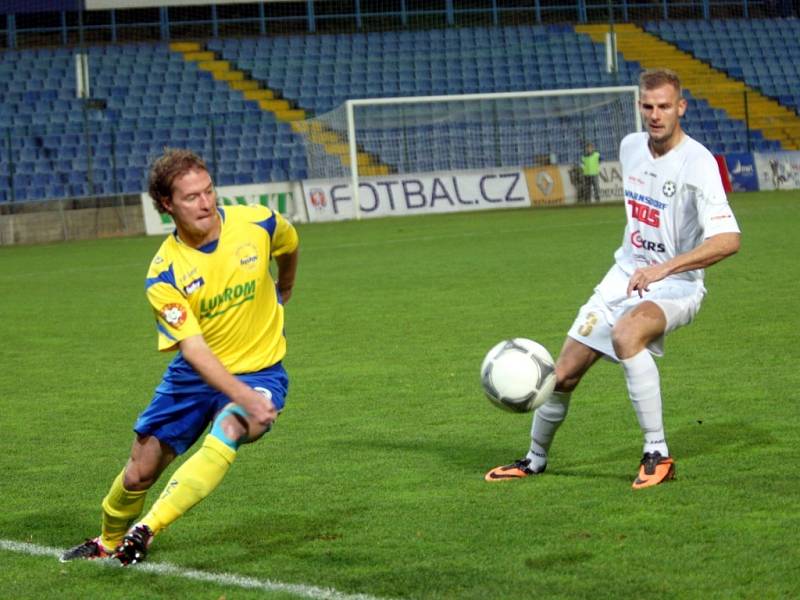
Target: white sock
(644, 389)
(546, 421)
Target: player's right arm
(710, 252)
(197, 353)
(179, 329)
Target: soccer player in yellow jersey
(216, 303)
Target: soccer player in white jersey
(214, 300)
(678, 223)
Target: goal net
(434, 134)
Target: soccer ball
(518, 375)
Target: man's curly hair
(173, 163)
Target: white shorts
(679, 300)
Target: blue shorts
(184, 405)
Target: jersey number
(645, 214)
(588, 324)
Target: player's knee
(257, 431)
(567, 376)
(234, 427)
(566, 384)
(627, 340)
(230, 426)
(139, 478)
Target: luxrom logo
(230, 297)
(275, 200)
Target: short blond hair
(651, 79)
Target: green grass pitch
(372, 481)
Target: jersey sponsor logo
(645, 214)
(645, 199)
(174, 314)
(229, 298)
(248, 256)
(193, 286)
(639, 242)
(669, 188)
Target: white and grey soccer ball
(518, 375)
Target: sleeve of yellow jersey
(285, 239)
(175, 320)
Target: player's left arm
(711, 251)
(287, 269)
(285, 252)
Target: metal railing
(307, 16)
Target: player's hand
(285, 293)
(642, 278)
(259, 407)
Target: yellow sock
(194, 480)
(121, 507)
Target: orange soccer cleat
(654, 469)
(516, 470)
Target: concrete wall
(62, 224)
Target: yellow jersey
(224, 289)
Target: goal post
(371, 137)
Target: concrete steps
(332, 142)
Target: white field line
(222, 579)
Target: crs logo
(639, 242)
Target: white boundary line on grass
(223, 579)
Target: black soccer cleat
(133, 548)
(88, 550)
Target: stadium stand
(765, 54)
(234, 100)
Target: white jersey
(672, 202)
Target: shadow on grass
(687, 441)
(703, 438)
